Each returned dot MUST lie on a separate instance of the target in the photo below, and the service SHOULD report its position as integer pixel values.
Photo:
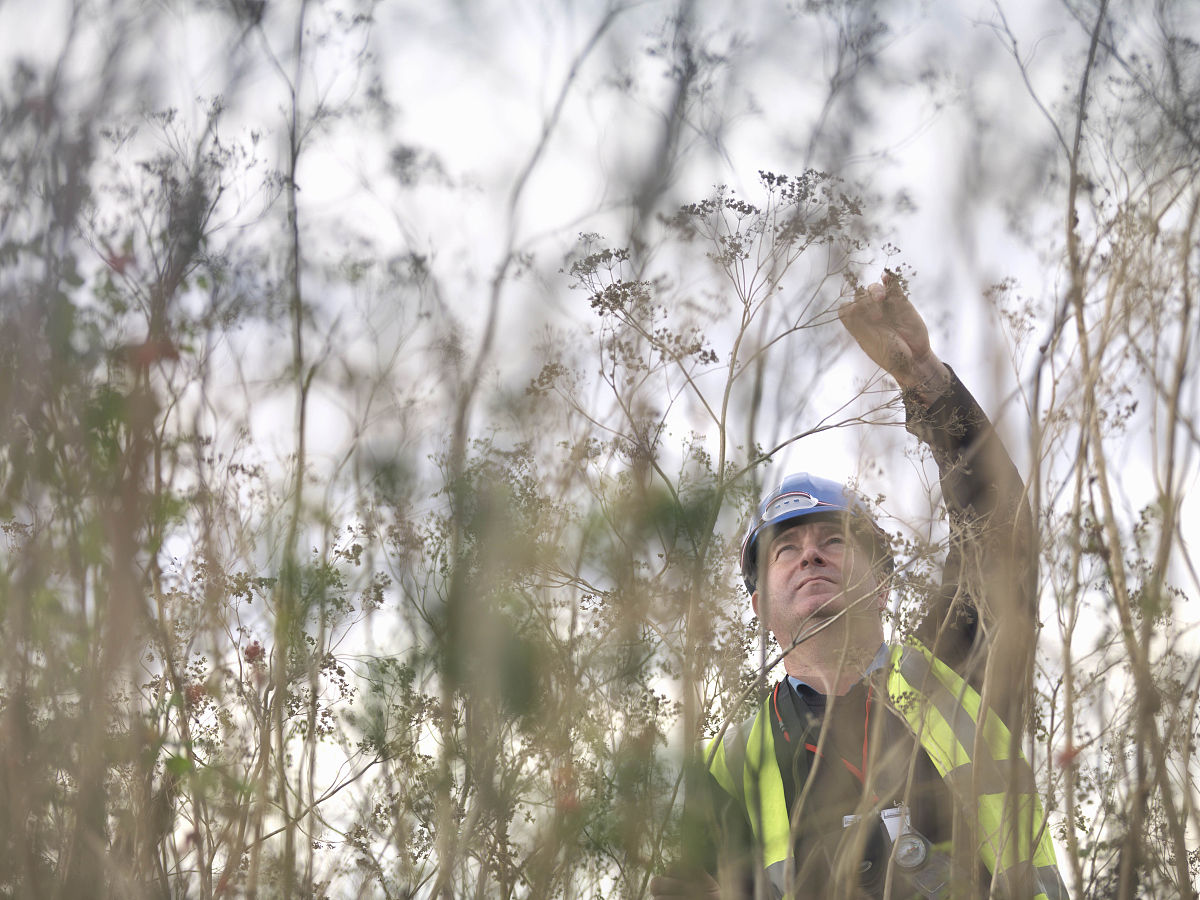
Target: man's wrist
(927, 381)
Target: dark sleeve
(988, 589)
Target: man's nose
(811, 556)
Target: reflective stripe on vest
(744, 765)
(942, 711)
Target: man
(876, 770)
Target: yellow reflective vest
(973, 757)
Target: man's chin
(824, 603)
(820, 608)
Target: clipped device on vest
(916, 860)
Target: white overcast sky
(948, 121)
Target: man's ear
(754, 602)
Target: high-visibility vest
(942, 711)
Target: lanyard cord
(859, 773)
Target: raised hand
(892, 333)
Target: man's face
(815, 570)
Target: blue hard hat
(801, 495)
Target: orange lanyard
(856, 771)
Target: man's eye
(835, 539)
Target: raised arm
(987, 597)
